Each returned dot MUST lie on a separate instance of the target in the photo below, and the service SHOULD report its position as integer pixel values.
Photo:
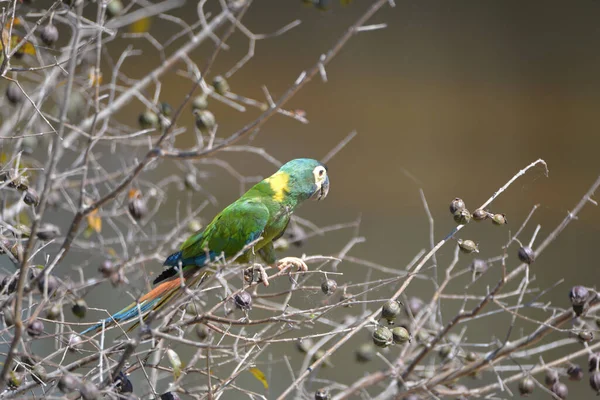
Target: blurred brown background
(461, 95)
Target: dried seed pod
(35, 328)
(329, 286)
(322, 394)
(166, 109)
(365, 352)
(48, 282)
(456, 205)
(526, 255)
(31, 197)
(320, 354)
(304, 345)
(575, 373)
(170, 396)
(48, 232)
(89, 391)
(200, 102)
(585, 336)
(468, 246)
(53, 313)
(243, 301)
(9, 316)
(390, 310)
(447, 352)
(383, 337)
(401, 335)
(479, 266)
(595, 381)
(14, 380)
(123, 384)
(107, 268)
(205, 120)
(578, 296)
(14, 94)
(114, 8)
(220, 85)
(9, 283)
(499, 219)
(39, 374)
(79, 308)
(49, 34)
(551, 377)
(526, 386)
(137, 205)
(462, 217)
(75, 342)
(594, 362)
(471, 356)
(148, 119)
(68, 383)
(480, 214)
(560, 389)
(347, 299)
(202, 332)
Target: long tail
(153, 300)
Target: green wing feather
(240, 223)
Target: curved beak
(323, 190)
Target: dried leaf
(258, 374)
(175, 361)
(94, 221)
(142, 25)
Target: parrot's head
(307, 178)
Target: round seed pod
(585, 336)
(329, 286)
(68, 383)
(468, 246)
(401, 335)
(35, 328)
(79, 309)
(578, 296)
(75, 342)
(170, 396)
(202, 332)
(39, 374)
(471, 356)
(366, 352)
(14, 380)
(14, 94)
(89, 391)
(595, 381)
(447, 352)
(9, 316)
(526, 386)
(551, 377)
(53, 313)
(205, 120)
(107, 268)
(48, 281)
(220, 85)
(462, 217)
(560, 389)
(243, 301)
(148, 119)
(166, 109)
(320, 354)
(322, 394)
(456, 205)
(347, 298)
(137, 206)
(479, 266)
(49, 34)
(48, 232)
(382, 337)
(304, 345)
(422, 336)
(499, 219)
(200, 102)
(526, 255)
(31, 197)
(9, 283)
(594, 362)
(114, 8)
(390, 310)
(575, 373)
(480, 215)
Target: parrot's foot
(256, 273)
(292, 262)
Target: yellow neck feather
(279, 184)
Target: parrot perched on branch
(248, 226)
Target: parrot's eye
(321, 172)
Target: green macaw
(247, 226)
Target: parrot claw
(256, 273)
(292, 262)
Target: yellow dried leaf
(258, 374)
(94, 221)
(175, 361)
